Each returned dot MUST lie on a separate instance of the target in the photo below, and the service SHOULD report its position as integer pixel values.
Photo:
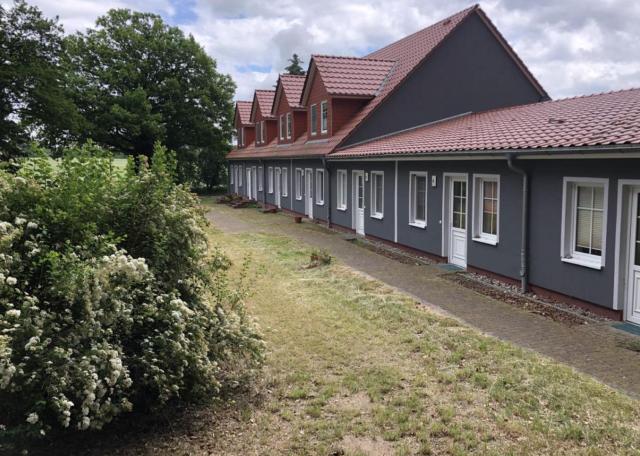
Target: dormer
(261, 117)
(242, 122)
(336, 88)
(289, 113)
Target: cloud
(573, 47)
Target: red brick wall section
(317, 94)
(270, 125)
(249, 135)
(343, 109)
(282, 108)
(299, 124)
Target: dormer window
(289, 126)
(257, 132)
(262, 134)
(241, 137)
(282, 127)
(314, 120)
(324, 117)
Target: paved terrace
(592, 348)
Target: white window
(342, 189)
(319, 187)
(241, 136)
(260, 177)
(377, 194)
(584, 222)
(314, 119)
(233, 171)
(282, 127)
(418, 199)
(486, 208)
(257, 132)
(240, 175)
(324, 117)
(270, 179)
(285, 182)
(262, 132)
(298, 183)
(289, 125)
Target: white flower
(21, 180)
(32, 418)
(11, 281)
(13, 313)
(32, 225)
(34, 340)
(20, 221)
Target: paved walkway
(592, 348)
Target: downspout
(524, 235)
(328, 187)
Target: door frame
(254, 182)
(308, 192)
(277, 177)
(249, 181)
(447, 201)
(622, 264)
(354, 199)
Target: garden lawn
(355, 367)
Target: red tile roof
(292, 85)
(244, 110)
(596, 120)
(352, 76)
(265, 100)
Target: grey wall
(470, 71)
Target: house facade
(443, 142)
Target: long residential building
(445, 143)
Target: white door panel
(633, 293)
(358, 202)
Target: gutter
(524, 235)
(327, 171)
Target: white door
(633, 293)
(235, 180)
(308, 194)
(278, 182)
(458, 222)
(254, 182)
(249, 181)
(358, 201)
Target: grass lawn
(355, 367)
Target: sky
(573, 47)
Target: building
(445, 143)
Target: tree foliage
(109, 297)
(34, 103)
(138, 81)
(295, 65)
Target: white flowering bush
(109, 298)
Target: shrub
(109, 297)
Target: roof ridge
(264, 90)
(282, 75)
(345, 57)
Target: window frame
(284, 181)
(281, 126)
(478, 209)
(324, 117)
(260, 178)
(270, 179)
(262, 129)
(289, 125)
(313, 119)
(568, 253)
(412, 197)
(240, 136)
(239, 176)
(257, 128)
(320, 184)
(299, 174)
(374, 194)
(341, 193)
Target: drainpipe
(524, 235)
(328, 190)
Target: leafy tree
(295, 66)
(33, 100)
(138, 81)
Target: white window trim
(270, 179)
(324, 127)
(262, 132)
(284, 177)
(289, 125)
(412, 221)
(341, 193)
(260, 177)
(240, 171)
(314, 125)
(299, 174)
(374, 214)
(569, 195)
(240, 134)
(281, 125)
(478, 204)
(320, 194)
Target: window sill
(344, 208)
(580, 262)
(319, 203)
(377, 216)
(486, 240)
(298, 198)
(418, 225)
